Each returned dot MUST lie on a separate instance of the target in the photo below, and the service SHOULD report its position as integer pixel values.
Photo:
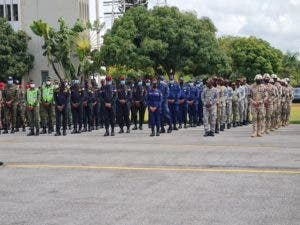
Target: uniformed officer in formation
(224, 105)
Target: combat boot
(128, 130)
(112, 132)
(17, 130)
(5, 131)
(135, 127)
(31, 133)
(152, 132)
(254, 134)
(12, 131)
(228, 125)
(222, 127)
(180, 126)
(121, 130)
(170, 129)
(44, 131)
(74, 131)
(84, 129)
(211, 134)
(206, 134)
(64, 132)
(185, 126)
(162, 130)
(141, 127)
(157, 132)
(58, 133)
(1, 163)
(24, 129)
(106, 133)
(37, 133)
(175, 128)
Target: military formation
(216, 103)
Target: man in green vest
(47, 107)
(33, 108)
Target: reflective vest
(47, 94)
(32, 97)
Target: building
(21, 14)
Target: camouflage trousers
(278, 114)
(47, 115)
(268, 117)
(21, 111)
(258, 114)
(235, 112)
(218, 116)
(229, 112)
(223, 113)
(1, 126)
(209, 118)
(246, 109)
(284, 112)
(242, 111)
(274, 115)
(10, 117)
(34, 117)
(289, 106)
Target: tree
(291, 67)
(251, 56)
(67, 49)
(15, 61)
(165, 39)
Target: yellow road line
(166, 169)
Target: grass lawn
(295, 114)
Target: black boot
(175, 128)
(206, 134)
(157, 132)
(64, 132)
(180, 126)
(211, 134)
(152, 132)
(228, 125)
(37, 133)
(17, 130)
(5, 131)
(44, 131)
(185, 126)
(162, 130)
(121, 130)
(170, 129)
(31, 133)
(128, 130)
(74, 131)
(24, 129)
(58, 133)
(12, 131)
(141, 127)
(222, 127)
(234, 124)
(112, 132)
(135, 127)
(106, 133)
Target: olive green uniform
(33, 108)
(10, 99)
(47, 107)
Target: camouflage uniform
(284, 105)
(10, 98)
(209, 98)
(218, 108)
(278, 105)
(269, 106)
(223, 97)
(21, 109)
(258, 97)
(47, 108)
(247, 103)
(290, 100)
(33, 109)
(235, 107)
(229, 95)
(241, 89)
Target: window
(44, 75)
(8, 12)
(15, 12)
(1, 10)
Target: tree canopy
(166, 40)
(15, 61)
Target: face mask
(198, 85)
(132, 85)
(191, 84)
(109, 82)
(10, 82)
(48, 83)
(148, 84)
(172, 81)
(32, 85)
(122, 82)
(76, 81)
(56, 86)
(140, 83)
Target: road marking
(165, 169)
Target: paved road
(133, 179)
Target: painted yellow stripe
(166, 169)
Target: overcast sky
(277, 21)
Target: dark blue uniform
(154, 99)
(193, 105)
(123, 94)
(61, 97)
(108, 95)
(183, 106)
(165, 112)
(95, 108)
(87, 102)
(173, 100)
(139, 105)
(76, 108)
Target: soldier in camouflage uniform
(10, 99)
(290, 100)
(33, 108)
(258, 96)
(269, 103)
(21, 107)
(218, 104)
(242, 91)
(47, 107)
(228, 95)
(284, 102)
(235, 105)
(278, 104)
(1, 102)
(209, 98)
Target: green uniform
(10, 98)
(33, 100)
(47, 107)
(21, 109)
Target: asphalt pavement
(181, 178)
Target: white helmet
(274, 76)
(266, 76)
(271, 80)
(258, 77)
